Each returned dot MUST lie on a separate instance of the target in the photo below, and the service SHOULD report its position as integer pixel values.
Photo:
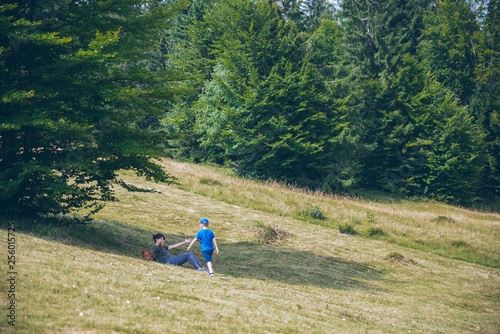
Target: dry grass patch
(395, 257)
(271, 234)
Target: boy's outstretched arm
(191, 244)
(216, 248)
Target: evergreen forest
(400, 97)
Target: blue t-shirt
(206, 236)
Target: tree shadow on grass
(252, 260)
(239, 260)
(105, 236)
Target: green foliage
(263, 108)
(375, 232)
(324, 51)
(485, 103)
(210, 182)
(74, 82)
(377, 38)
(175, 37)
(443, 147)
(378, 34)
(424, 143)
(461, 49)
(307, 15)
(449, 45)
(421, 142)
(316, 213)
(375, 99)
(346, 228)
(394, 96)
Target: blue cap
(204, 221)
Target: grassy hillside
(284, 267)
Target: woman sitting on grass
(161, 253)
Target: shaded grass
(69, 230)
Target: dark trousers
(183, 258)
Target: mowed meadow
(291, 261)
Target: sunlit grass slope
(89, 278)
(445, 230)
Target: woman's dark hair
(156, 236)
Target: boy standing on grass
(207, 242)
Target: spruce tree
(264, 108)
(421, 141)
(485, 102)
(376, 36)
(449, 46)
(306, 14)
(74, 82)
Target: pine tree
(485, 102)
(449, 46)
(436, 142)
(376, 36)
(263, 106)
(306, 14)
(420, 141)
(74, 83)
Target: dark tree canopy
(263, 107)
(405, 87)
(399, 96)
(74, 83)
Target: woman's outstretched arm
(178, 244)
